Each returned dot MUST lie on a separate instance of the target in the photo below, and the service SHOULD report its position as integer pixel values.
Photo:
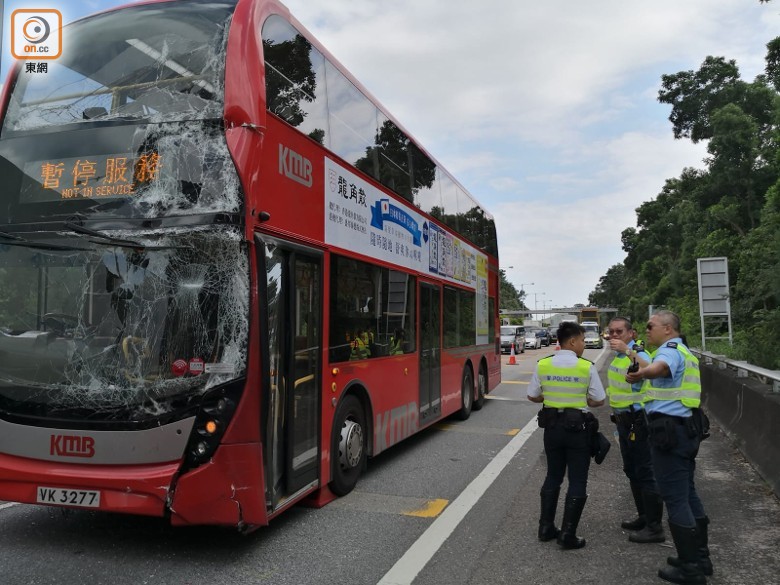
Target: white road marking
(417, 556)
(8, 505)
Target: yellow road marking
(390, 504)
(429, 509)
(475, 431)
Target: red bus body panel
(230, 489)
(141, 489)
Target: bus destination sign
(103, 176)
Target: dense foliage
(509, 298)
(730, 208)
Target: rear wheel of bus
(481, 388)
(349, 445)
(466, 394)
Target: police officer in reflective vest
(629, 417)
(360, 346)
(566, 384)
(676, 428)
(397, 342)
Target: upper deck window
(158, 62)
(310, 93)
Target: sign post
(714, 305)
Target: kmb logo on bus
(294, 166)
(72, 446)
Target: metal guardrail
(743, 369)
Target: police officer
(672, 401)
(566, 384)
(629, 417)
(397, 342)
(360, 346)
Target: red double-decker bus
(227, 275)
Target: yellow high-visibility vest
(564, 387)
(396, 346)
(360, 350)
(689, 390)
(618, 390)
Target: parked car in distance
(512, 334)
(532, 341)
(553, 335)
(593, 340)
(544, 336)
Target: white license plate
(66, 497)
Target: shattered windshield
(158, 62)
(118, 332)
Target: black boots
(639, 522)
(702, 540)
(572, 511)
(653, 530)
(687, 572)
(547, 529)
(571, 518)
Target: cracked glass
(136, 320)
(159, 62)
(120, 332)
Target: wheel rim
(467, 392)
(481, 384)
(350, 444)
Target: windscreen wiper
(99, 237)
(122, 243)
(20, 241)
(7, 236)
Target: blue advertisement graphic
(383, 211)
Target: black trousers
(635, 452)
(567, 451)
(674, 471)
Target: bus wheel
(349, 445)
(481, 388)
(466, 394)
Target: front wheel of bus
(466, 394)
(349, 445)
(481, 388)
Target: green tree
(731, 208)
(508, 296)
(609, 290)
(695, 95)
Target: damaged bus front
(124, 274)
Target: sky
(546, 112)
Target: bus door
(430, 352)
(290, 281)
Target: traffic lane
(481, 530)
(744, 532)
(356, 539)
(492, 528)
(743, 540)
(525, 363)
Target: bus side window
(369, 303)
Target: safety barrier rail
(743, 369)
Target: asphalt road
(455, 504)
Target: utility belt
(572, 419)
(629, 418)
(662, 428)
(675, 420)
(634, 422)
